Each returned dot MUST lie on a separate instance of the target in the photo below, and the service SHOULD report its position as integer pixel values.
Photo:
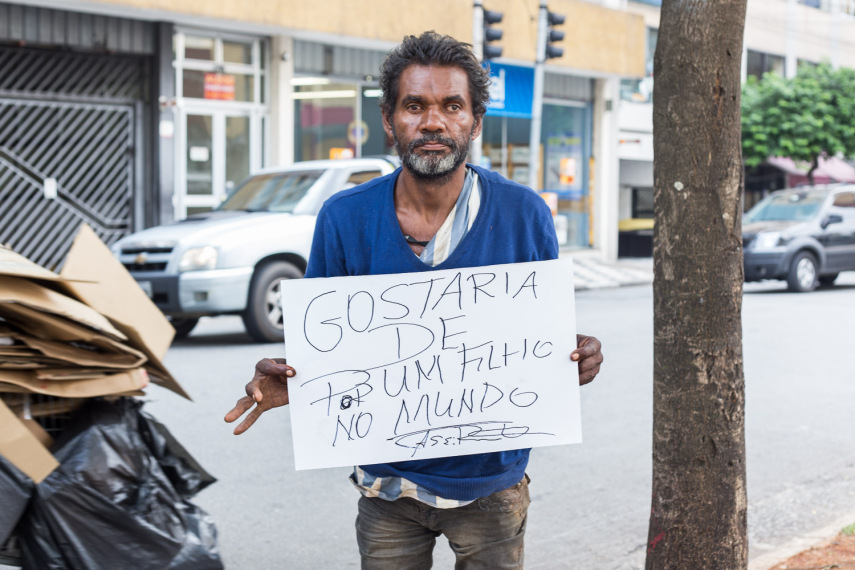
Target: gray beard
(432, 166)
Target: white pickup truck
(231, 260)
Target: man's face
(433, 122)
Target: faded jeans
(487, 533)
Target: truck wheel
(803, 273)
(828, 280)
(183, 327)
(263, 314)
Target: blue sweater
(357, 233)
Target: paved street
(590, 502)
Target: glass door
(237, 151)
(220, 115)
(199, 161)
(218, 149)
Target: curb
(800, 544)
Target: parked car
(805, 236)
(231, 260)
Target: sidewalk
(590, 271)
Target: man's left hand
(589, 355)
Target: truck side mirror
(831, 219)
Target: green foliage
(849, 530)
(803, 118)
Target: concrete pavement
(590, 271)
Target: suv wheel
(263, 314)
(828, 279)
(183, 327)
(803, 273)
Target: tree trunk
(698, 516)
(814, 164)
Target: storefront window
(237, 52)
(221, 69)
(375, 140)
(193, 83)
(199, 48)
(565, 140)
(322, 113)
(565, 150)
(337, 120)
(505, 143)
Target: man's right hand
(268, 389)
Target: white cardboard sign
(434, 364)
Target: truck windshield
(794, 207)
(274, 192)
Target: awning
(830, 169)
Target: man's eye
(454, 107)
(412, 107)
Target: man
(435, 212)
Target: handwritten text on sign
(434, 364)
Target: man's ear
(387, 125)
(476, 128)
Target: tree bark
(698, 516)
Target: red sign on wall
(220, 86)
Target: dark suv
(805, 236)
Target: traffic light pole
(478, 48)
(537, 99)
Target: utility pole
(545, 36)
(478, 49)
(482, 35)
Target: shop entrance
(220, 116)
(215, 154)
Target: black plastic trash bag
(119, 498)
(15, 491)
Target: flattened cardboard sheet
(109, 354)
(15, 264)
(114, 384)
(23, 449)
(91, 351)
(70, 373)
(117, 296)
(38, 431)
(18, 291)
(37, 406)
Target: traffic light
(492, 34)
(552, 51)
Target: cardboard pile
(89, 331)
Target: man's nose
(432, 121)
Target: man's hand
(589, 356)
(268, 389)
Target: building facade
(779, 36)
(132, 113)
